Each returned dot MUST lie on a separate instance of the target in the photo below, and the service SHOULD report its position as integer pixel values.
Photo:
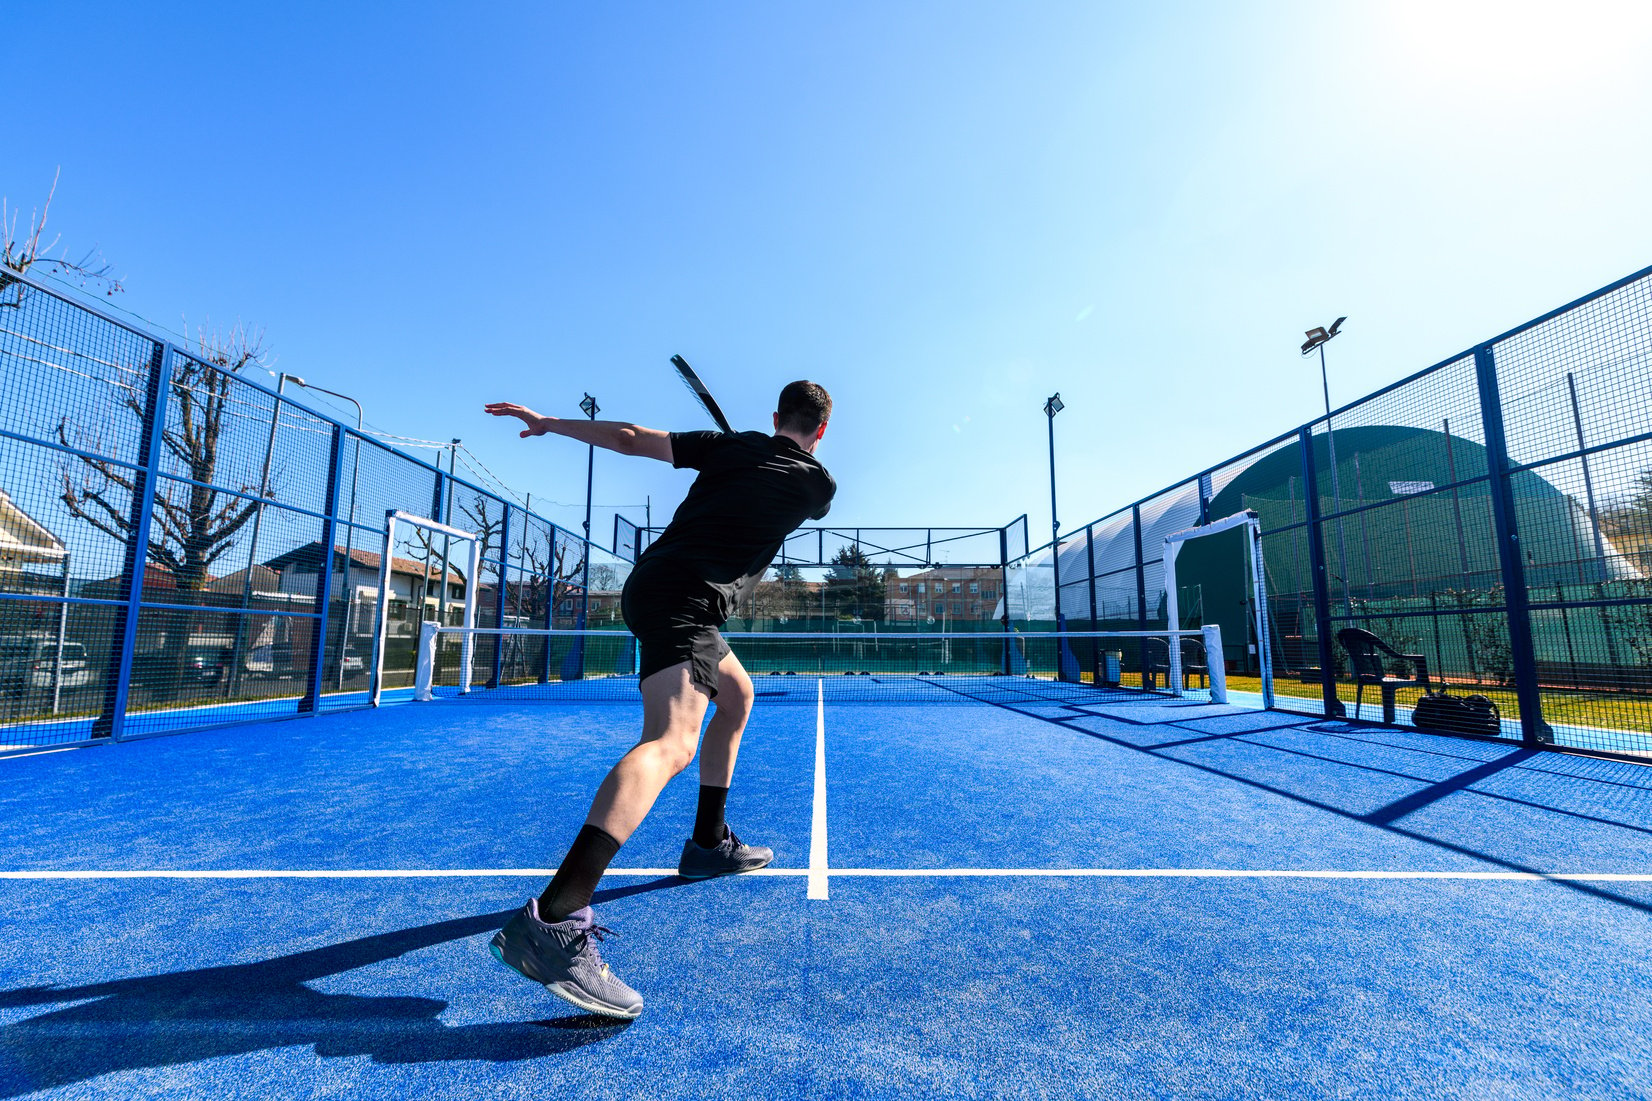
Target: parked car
(30, 662)
(351, 664)
(207, 664)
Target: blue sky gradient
(941, 211)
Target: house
(943, 594)
(413, 583)
(32, 559)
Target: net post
(424, 670)
(1214, 663)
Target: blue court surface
(1130, 898)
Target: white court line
(37, 753)
(817, 824)
(1229, 873)
(349, 873)
(811, 872)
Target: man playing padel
(752, 491)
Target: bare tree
(553, 567)
(20, 252)
(194, 524)
(485, 516)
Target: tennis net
(514, 664)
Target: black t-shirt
(752, 492)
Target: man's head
(804, 409)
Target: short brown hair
(804, 406)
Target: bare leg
(672, 710)
(713, 849)
(722, 738)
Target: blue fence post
(499, 603)
(1095, 612)
(1516, 601)
(1140, 654)
(1003, 587)
(311, 702)
(438, 513)
(111, 721)
(1141, 570)
(550, 605)
(584, 598)
(1322, 585)
(1090, 562)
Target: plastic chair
(1369, 656)
(1156, 660)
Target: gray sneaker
(730, 857)
(563, 957)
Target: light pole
(588, 405)
(1052, 406)
(1318, 338)
(349, 528)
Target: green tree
(1642, 500)
(1628, 522)
(855, 588)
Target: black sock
(576, 878)
(708, 820)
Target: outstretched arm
(627, 439)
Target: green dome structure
(1408, 535)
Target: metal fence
(1491, 515)
(874, 579)
(181, 546)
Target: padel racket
(701, 394)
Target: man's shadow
(187, 1016)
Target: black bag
(1457, 715)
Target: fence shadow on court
(1388, 818)
(188, 1016)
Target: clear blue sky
(941, 211)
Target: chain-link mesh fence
(1488, 521)
(182, 547)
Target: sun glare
(1517, 47)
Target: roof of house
(25, 539)
(264, 580)
(310, 555)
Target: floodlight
(1320, 334)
